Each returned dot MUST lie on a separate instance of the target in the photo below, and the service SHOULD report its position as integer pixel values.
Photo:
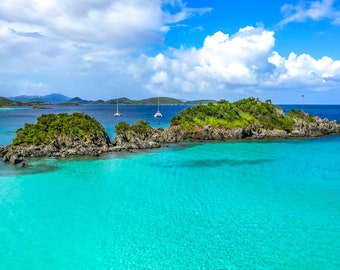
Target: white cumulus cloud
(119, 23)
(223, 63)
(305, 71)
(54, 41)
(242, 63)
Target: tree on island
(141, 127)
(242, 113)
(57, 127)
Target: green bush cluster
(301, 115)
(140, 127)
(245, 112)
(52, 126)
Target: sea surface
(272, 204)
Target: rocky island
(78, 134)
(248, 118)
(58, 135)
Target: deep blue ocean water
(219, 205)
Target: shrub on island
(242, 113)
(141, 127)
(58, 135)
(51, 127)
(298, 114)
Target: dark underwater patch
(213, 163)
(14, 170)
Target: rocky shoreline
(155, 138)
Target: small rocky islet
(78, 134)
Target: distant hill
(200, 101)
(147, 101)
(122, 100)
(64, 100)
(77, 100)
(99, 101)
(7, 102)
(52, 98)
(162, 100)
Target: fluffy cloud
(93, 49)
(304, 70)
(222, 62)
(45, 41)
(118, 23)
(315, 10)
(245, 62)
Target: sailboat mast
(158, 113)
(117, 113)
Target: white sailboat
(117, 114)
(158, 113)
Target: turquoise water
(235, 205)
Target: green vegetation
(162, 100)
(200, 101)
(301, 115)
(75, 101)
(7, 102)
(242, 113)
(51, 126)
(123, 100)
(141, 127)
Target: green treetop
(51, 126)
(242, 113)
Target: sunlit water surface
(232, 205)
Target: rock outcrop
(63, 147)
(137, 141)
(319, 127)
(174, 134)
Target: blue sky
(100, 49)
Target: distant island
(67, 101)
(5, 102)
(51, 98)
(78, 134)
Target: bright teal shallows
(241, 205)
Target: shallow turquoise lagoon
(235, 205)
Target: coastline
(157, 138)
(78, 134)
